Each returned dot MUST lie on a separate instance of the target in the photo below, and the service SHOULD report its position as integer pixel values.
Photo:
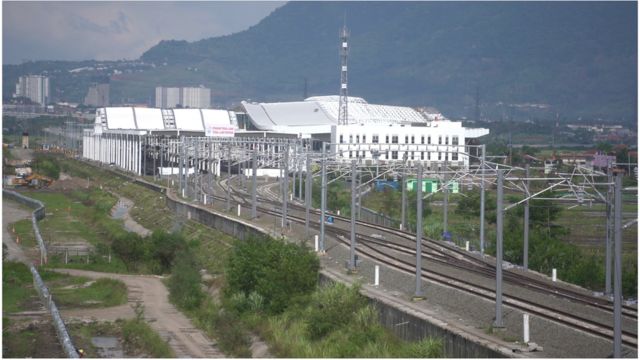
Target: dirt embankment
(163, 317)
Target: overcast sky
(54, 30)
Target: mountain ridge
(576, 59)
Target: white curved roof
(132, 118)
(323, 111)
(149, 118)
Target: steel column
(419, 292)
(617, 270)
(482, 201)
(352, 247)
(500, 212)
(525, 256)
(254, 175)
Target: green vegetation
(270, 288)
(46, 165)
(17, 287)
(138, 335)
(101, 293)
(278, 272)
(24, 230)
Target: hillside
(576, 59)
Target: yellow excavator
(38, 181)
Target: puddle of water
(108, 346)
(119, 212)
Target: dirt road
(163, 317)
(12, 212)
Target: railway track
(378, 250)
(461, 258)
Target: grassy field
(18, 292)
(90, 294)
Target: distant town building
(97, 95)
(167, 97)
(196, 97)
(33, 87)
(191, 97)
(25, 140)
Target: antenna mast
(343, 112)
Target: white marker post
(376, 280)
(239, 209)
(316, 243)
(466, 246)
(554, 275)
(525, 328)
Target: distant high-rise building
(196, 97)
(33, 87)
(168, 97)
(97, 95)
(192, 97)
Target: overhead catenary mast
(343, 111)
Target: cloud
(116, 30)
(116, 26)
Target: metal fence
(41, 288)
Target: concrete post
(376, 276)
(323, 196)
(307, 195)
(500, 212)
(293, 174)
(300, 174)
(419, 293)
(403, 209)
(445, 225)
(525, 328)
(525, 256)
(285, 196)
(352, 248)
(482, 201)
(180, 167)
(254, 175)
(617, 270)
(609, 231)
(229, 179)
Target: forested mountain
(541, 58)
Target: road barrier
(41, 288)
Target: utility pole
(352, 248)
(500, 212)
(323, 196)
(617, 273)
(482, 200)
(609, 210)
(525, 257)
(419, 294)
(403, 216)
(229, 178)
(285, 187)
(254, 184)
(307, 195)
(445, 224)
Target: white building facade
(33, 87)
(432, 143)
(120, 133)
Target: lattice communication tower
(343, 108)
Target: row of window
(394, 139)
(412, 155)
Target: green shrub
(184, 283)
(331, 308)
(277, 271)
